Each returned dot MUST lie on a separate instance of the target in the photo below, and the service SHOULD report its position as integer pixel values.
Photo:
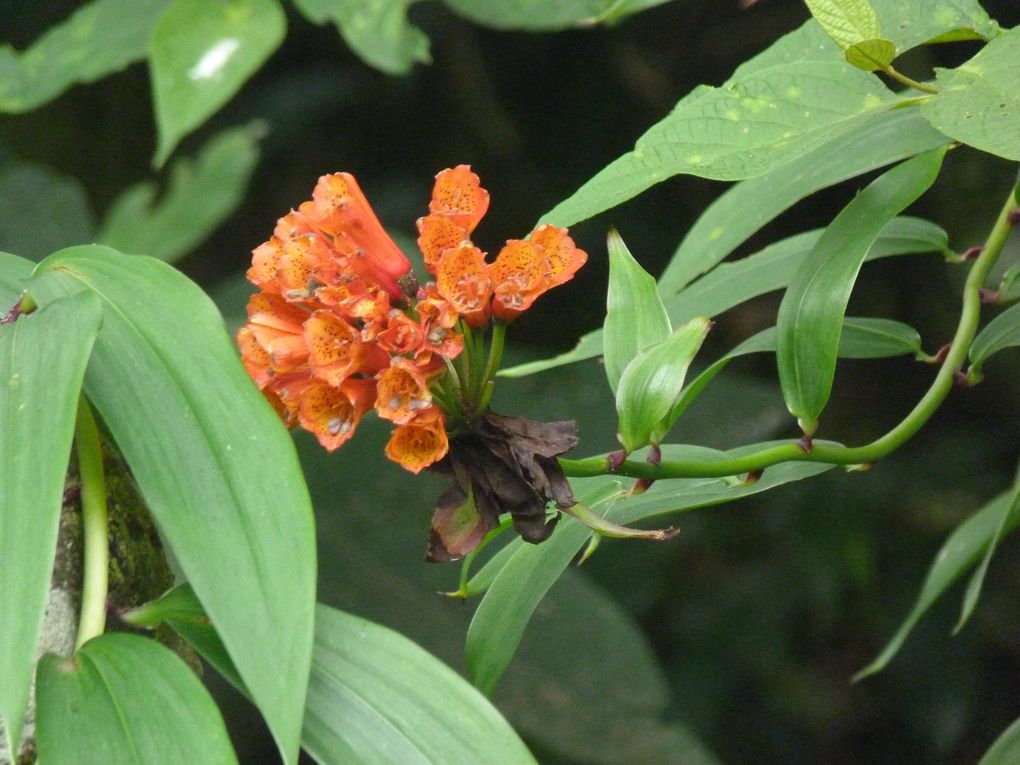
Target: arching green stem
(92, 620)
(967, 327)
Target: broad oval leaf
(42, 362)
(377, 697)
(1000, 333)
(199, 196)
(377, 31)
(126, 699)
(652, 382)
(959, 552)
(1006, 749)
(811, 314)
(635, 316)
(847, 22)
(870, 55)
(201, 53)
(100, 38)
(216, 467)
(978, 104)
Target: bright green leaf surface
(199, 196)
(1001, 332)
(1006, 749)
(377, 30)
(652, 382)
(635, 316)
(771, 269)
(42, 362)
(101, 37)
(42, 211)
(518, 588)
(214, 464)
(869, 55)
(742, 129)
(811, 314)
(377, 697)
(979, 104)
(126, 699)
(201, 54)
(959, 553)
(847, 22)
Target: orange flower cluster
(340, 326)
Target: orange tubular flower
(276, 327)
(402, 391)
(420, 442)
(437, 234)
(563, 256)
(463, 279)
(339, 209)
(459, 197)
(519, 274)
(332, 413)
(335, 349)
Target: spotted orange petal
(276, 326)
(332, 413)
(462, 278)
(459, 196)
(420, 442)
(519, 274)
(265, 262)
(437, 234)
(563, 255)
(402, 391)
(335, 349)
(402, 334)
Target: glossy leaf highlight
(201, 53)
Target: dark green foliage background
(760, 611)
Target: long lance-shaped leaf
(216, 467)
(519, 586)
(126, 699)
(635, 316)
(730, 284)
(100, 38)
(1001, 332)
(811, 314)
(959, 552)
(42, 362)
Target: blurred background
(734, 643)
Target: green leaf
(215, 465)
(100, 38)
(534, 15)
(811, 314)
(959, 552)
(847, 22)
(32, 198)
(372, 688)
(14, 272)
(870, 55)
(635, 316)
(652, 382)
(200, 195)
(377, 30)
(1009, 287)
(979, 104)
(621, 9)
(745, 128)
(518, 587)
(771, 269)
(1001, 332)
(126, 699)
(201, 54)
(42, 362)
(977, 579)
(1006, 749)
